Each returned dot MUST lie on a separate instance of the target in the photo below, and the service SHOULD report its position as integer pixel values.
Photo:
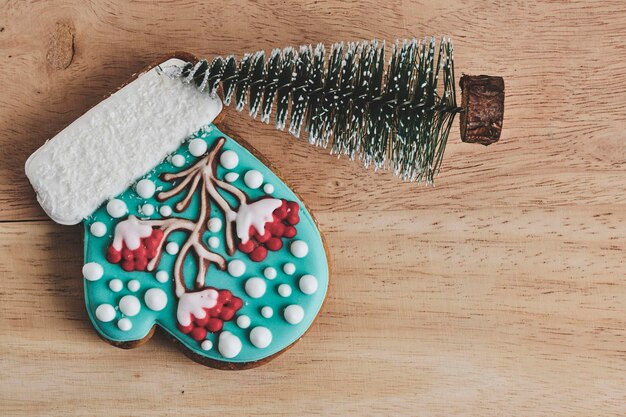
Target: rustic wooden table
(501, 291)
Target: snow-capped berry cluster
(284, 219)
(213, 321)
(136, 260)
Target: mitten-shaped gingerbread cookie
(186, 229)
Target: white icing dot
(125, 324)
(289, 268)
(255, 287)
(92, 271)
(308, 284)
(261, 337)
(134, 285)
(269, 272)
(197, 147)
(231, 177)
(165, 211)
(206, 345)
(116, 285)
(105, 313)
(293, 314)
(229, 345)
(129, 305)
(145, 188)
(267, 312)
(243, 321)
(98, 229)
(172, 248)
(229, 159)
(155, 299)
(178, 160)
(236, 268)
(162, 276)
(284, 290)
(215, 224)
(214, 242)
(268, 188)
(299, 248)
(116, 208)
(253, 179)
(147, 209)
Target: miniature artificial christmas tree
(396, 117)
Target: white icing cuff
(122, 138)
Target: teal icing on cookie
(282, 294)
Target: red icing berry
(186, 329)
(227, 314)
(258, 254)
(274, 244)
(293, 207)
(290, 232)
(246, 247)
(293, 219)
(235, 303)
(224, 296)
(281, 212)
(151, 243)
(198, 333)
(137, 259)
(214, 325)
(202, 322)
(113, 255)
(128, 265)
(277, 228)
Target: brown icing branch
(200, 176)
(194, 242)
(193, 178)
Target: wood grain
(501, 291)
